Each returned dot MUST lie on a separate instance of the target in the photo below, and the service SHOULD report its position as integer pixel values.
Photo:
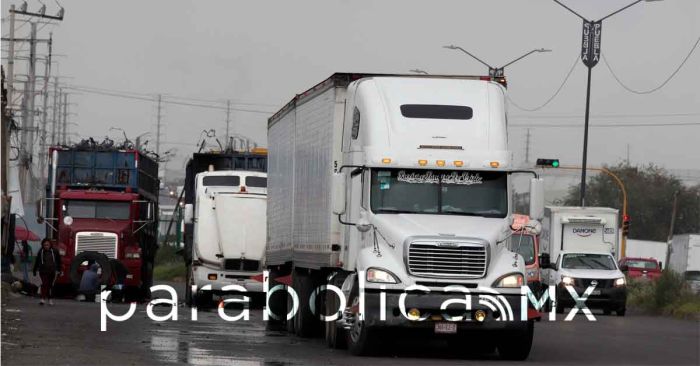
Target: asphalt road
(69, 333)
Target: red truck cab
(642, 268)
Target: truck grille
(459, 260)
(105, 243)
(241, 265)
(585, 282)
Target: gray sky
(266, 51)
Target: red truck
(643, 268)
(101, 206)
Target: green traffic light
(555, 163)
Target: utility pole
(64, 140)
(527, 146)
(11, 59)
(670, 230)
(43, 154)
(228, 121)
(55, 114)
(158, 126)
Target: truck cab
(229, 222)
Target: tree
(650, 191)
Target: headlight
(62, 252)
(619, 282)
(568, 281)
(377, 275)
(133, 255)
(510, 280)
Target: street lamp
(496, 72)
(590, 55)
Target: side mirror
(537, 198)
(624, 268)
(534, 227)
(363, 224)
(339, 198)
(544, 261)
(189, 213)
(150, 208)
(40, 211)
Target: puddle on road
(171, 349)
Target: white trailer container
(388, 182)
(579, 229)
(685, 258)
(647, 249)
(229, 220)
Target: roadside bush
(170, 272)
(668, 295)
(167, 254)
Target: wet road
(68, 333)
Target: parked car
(642, 268)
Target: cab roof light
(386, 160)
(458, 163)
(243, 189)
(440, 163)
(422, 162)
(494, 164)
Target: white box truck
(582, 243)
(392, 187)
(228, 227)
(685, 258)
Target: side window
(355, 123)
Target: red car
(646, 268)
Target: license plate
(595, 292)
(446, 328)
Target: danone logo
(584, 232)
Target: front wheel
(621, 312)
(189, 282)
(516, 345)
(360, 339)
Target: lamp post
(496, 72)
(590, 55)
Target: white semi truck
(685, 258)
(581, 243)
(391, 188)
(228, 221)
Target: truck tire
(90, 256)
(146, 281)
(516, 345)
(360, 339)
(305, 323)
(621, 312)
(335, 336)
(276, 303)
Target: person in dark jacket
(48, 263)
(89, 283)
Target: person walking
(25, 257)
(48, 263)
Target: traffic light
(548, 163)
(625, 225)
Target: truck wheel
(606, 311)
(516, 345)
(146, 281)
(621, 312)
(305, 323)
(360, 339)
(277, 304)
(90, 256)
(203, 300)
(335, 335)
(560, 309)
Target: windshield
(692, 275)
(588, 261)
(439, 192)
(82, 209)
(641, 264)
(525, 246)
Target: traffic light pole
(585, 140)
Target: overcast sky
(263, 52)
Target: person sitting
(89, 283)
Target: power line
(605, 61)
(151, 99)
(614, 125)
(571, 70)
